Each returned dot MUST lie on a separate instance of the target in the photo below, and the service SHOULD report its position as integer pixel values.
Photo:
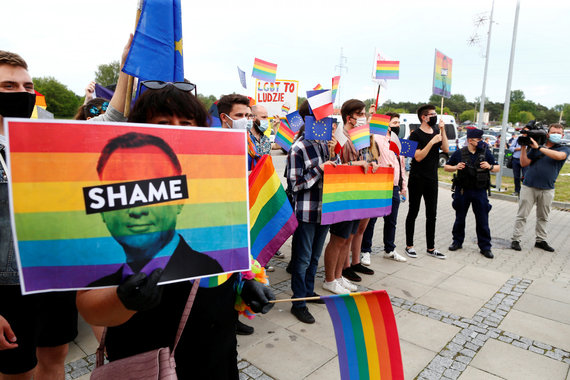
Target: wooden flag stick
(441, 105)
(297, 299)
(377, 96)
(130, 80)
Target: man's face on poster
(147, 228)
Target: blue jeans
(389, 226)
(308, 241)
(517, 169)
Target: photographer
(544, 163)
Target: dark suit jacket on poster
(184, 262)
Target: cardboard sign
(279, 98)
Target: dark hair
(557, 126)
(169, 101)
(83, 110)
(136, 140)
(393, 115)
(349, 107)
(226, 103)
(424, 110)
(12, 59)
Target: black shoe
(243, 329)
(351, 275)
(361, 269)
(288, 269)
(487, 253)
(454, 247)
(516, 245)
(303, 314)
(543, 245)
(319, 301)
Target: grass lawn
(562, 193)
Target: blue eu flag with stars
(156, 50)
(318, 129)
(408, 148)
(295, 121)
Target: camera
(533, 130)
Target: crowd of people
(140, 315)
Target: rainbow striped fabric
(379, 124)
(442, 74)
(349, 194)
(285, 108)
(284, 136)
(62, 247)
(318, 87)
(360, 136)
(264, 70)
(387, 69)
(271, 215)
(366, 336)
(335, 82)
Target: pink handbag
(151, 365)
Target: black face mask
(395, 130)
(432, 121)
(17, 104)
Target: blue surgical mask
(263, 125)
(555, 138)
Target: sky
(68, 39)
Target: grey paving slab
(74, 353)
(445, 266)
(423, 331)
(544, 307)
(452, 302)
(399, 287)
(486, 276)
(552, 290)
(510, 362)
(330, 371)
(321, 331)
(85, 338)
(423, 276)
(468, 287)
(414, 358)
(472, 373)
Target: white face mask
(360, 121)
(263, 125)
(242, 123)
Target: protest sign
(442, 74)
(278, 98)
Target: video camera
(533, 130)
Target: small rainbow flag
(318, 87)
(360, 136)
(264, 70)
(379, 124)
(366, 336)
(387, 69)
(271, 216)
(284, 136)
(349, 194)
(335, 82)
(285, 108)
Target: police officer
(473, 163)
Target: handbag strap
(100, 358)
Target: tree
(524, 117)
(517, 95)
(207, 101)
(60, 100)
(107, 74)
(467, 115)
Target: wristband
(350, 163)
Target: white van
(409, 122)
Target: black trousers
(418, 188)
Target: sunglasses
(158, 84)
(95, 111)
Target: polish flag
(395, 145)
(322, 104)
(341, 139)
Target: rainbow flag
(366, 336)
(284, 136)
(349, 194)
(335, 82)
(264, 70)
(318, 87)
(379, 124)
(285, 108)
(271, 217)
(387, 69)
(360, 136)
(60, 246)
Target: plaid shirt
(304, 178)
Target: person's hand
(485, 165)
(7, 336)
(375, 167)
(90, 91)
(533, 144)
(460, 166)
(126, 50)
(436, 139)
(139, 292)
(363, 164)
(332, 143)
(322, 166)
(372, 109)
(257, 296)
(442, 126)
(403, 192)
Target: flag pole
(377, 96)
(441, 105)
(297, 299)
(130, 80)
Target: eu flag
(408, 148)
(156, 50)
(295, 121)
(318, 129)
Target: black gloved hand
(257, 296)
(139, 292)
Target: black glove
(139, 291)
(257, 296)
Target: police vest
(472, 176)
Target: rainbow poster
(284, 136)
(264, 70)
(442, 74)
(379, 124)
(366, 336)
(88, 198)
(360, 136)
(350, 194)
(387, 69)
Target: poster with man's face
(93, 203)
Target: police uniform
(470, 188)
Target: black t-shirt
(426, 168)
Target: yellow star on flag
(178, 45)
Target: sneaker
(303, 314)
(269, 268)
(361, 269)
(347, 284)
(543, 245)
(411, 252)
(365, 258)
(351, 274)
(435, 253)
(394, 256)
(279, 255)
(335, 287)
(289, 268)
(243, 329)
(319, 301)
(516, 245)
(516, 194)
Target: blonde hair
(12, 59)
